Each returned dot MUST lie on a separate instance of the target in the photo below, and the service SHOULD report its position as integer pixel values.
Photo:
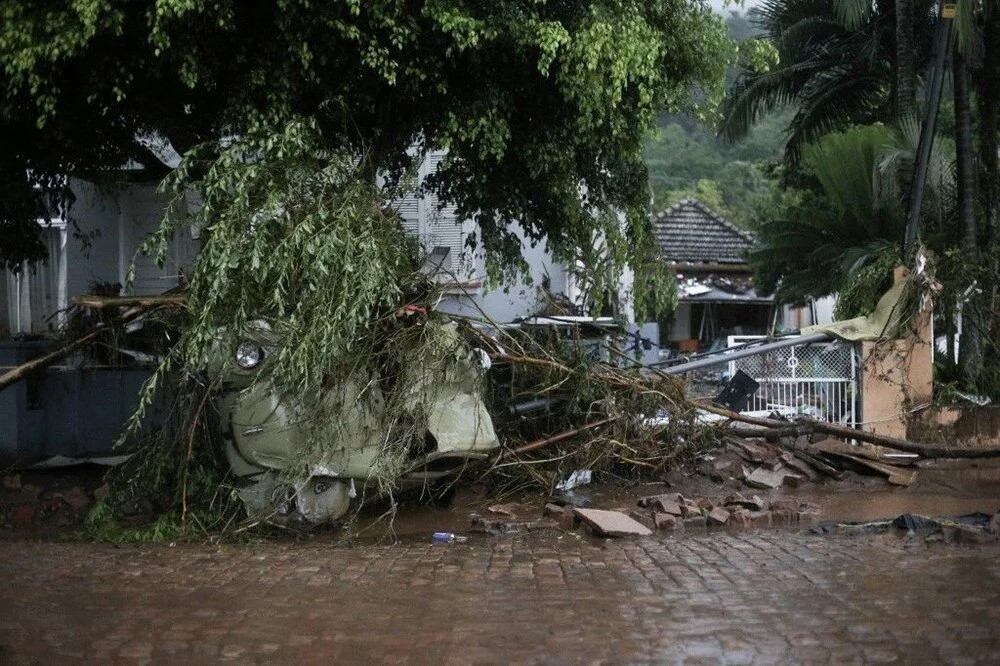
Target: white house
(111, 223)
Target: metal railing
(818, 379)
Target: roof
(691, 232)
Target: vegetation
(835, 67)
(297, 120)
(535, 101)
(842, 223)
(739, 180)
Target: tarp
(880, 324)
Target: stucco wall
(518, 300)
(92, 249)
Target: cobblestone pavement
(736, 598)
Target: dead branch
(537, 444)
(101, 302)
(926, 450)
(527, 360)
(18, 373)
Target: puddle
(943, 488)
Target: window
(439, 231)
(36, 295)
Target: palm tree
(850, 218)
(843, 237)
(835, 67)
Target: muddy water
(942, 488)
(946, 488)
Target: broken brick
(642, 517)
(753, 503)
(664, 521)
(551, 510)
(740, 517)
(695, 521)
(718, 516)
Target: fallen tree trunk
(18, 373)
(101, 302)
(926, 450)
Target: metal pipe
(721, 358)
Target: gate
(818, 379)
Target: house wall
(682, 323)
(521, 299)
(92, 252)
(142, 210)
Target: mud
(943, 488)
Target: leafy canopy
(542, 105)
(835, 228)
(836, 63)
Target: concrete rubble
(611, 523)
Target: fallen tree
(804, 426)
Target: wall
(508, 303)
(898, 376)
(95, 256)
(142, 210)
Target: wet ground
(759, 597)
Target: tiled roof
(690, 231)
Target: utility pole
(941, 48)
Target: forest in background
(738, 179)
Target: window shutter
(409, 211)
(443, 226)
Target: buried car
(425, 426)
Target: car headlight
(249, 355)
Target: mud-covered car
(291, 471)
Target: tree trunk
(988, 301)
(906, 76)
(970, 354)
(968, 229)
(989, 126)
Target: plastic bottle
(448, 537)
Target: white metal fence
(818, 379)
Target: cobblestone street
(740, 598)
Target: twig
(190, 452)
(537, 444)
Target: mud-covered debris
(665, 521)
(668, 503)
(770, 479)
(552, 510)
(718, 516)
(612, 523)
(766, 478)
(643, 517)
(794, 462)
(12, 481)
(503, 510)
(695, 521)
(752, 503)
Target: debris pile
(28, 503)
